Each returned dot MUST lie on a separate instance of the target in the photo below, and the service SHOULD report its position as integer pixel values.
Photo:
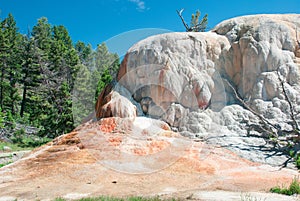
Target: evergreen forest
(38, 73)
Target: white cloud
(140, 4)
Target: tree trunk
(12, 87)
(1, 88)
(2, 81)
(23, 103)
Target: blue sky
(96, 21)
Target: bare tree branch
(264, 120)
(292, 112)
(188, 29)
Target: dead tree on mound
(280, 136)
(265, 125)
(293, 114)
(195, 25)
(286, 141)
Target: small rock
(7, 148)
(190, 197)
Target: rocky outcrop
(179, 78)
(173, 68)
(186, 68)
(261, 46)
(111, 104)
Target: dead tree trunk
(187, 28)
(293, 114)
(267, 125)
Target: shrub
(293, 189)
(4, 164)
(23, 140)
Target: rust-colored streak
(108, 125)
(102, 100)
(115, 141)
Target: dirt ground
(69, 168)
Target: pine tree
(31, 78)
(3, 63)
(197, 26)
(59, 82)
(83, 95)
(35, 68)
(59, 64)
(85, 53)
(105, 78)
(10, 64)
(42, 34)
(106, 61)
(39, 73)
(64, 57)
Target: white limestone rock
(174, 68)
(178, 77)
(111, 104)
(175, 114)
(261, 45)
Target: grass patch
(293, 189)
(14, 147)
(4, 164)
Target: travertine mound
(187, 68)
(261, 47)
(180, 79)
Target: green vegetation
(297, 161)
(38, 72)
(10, 156)
(103, 198)
(25, 141)
(293, 189)
(196, 24)
(4, 164)
(12, 146)
(295, 155)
